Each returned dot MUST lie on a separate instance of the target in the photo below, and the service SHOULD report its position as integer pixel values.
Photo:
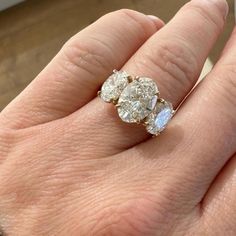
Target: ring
(137, 100)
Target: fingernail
(221, 4)
(158, 22)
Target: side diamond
(159, 118)
(114, 85)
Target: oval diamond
(137, 100)
(114, 85)
(159, 118)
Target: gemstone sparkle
(137, 100)
(159, 118)
(114, 85)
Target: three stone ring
(137, 100)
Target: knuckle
(87, 55)
(134, 216)
(178, 63)
(91, 54)
(178, 58)
(137, 19)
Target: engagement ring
(137, 100)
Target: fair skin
(69, 166)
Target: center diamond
(137, 100)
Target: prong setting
(137, 100)
(130, 79)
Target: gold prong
(117, 105)
(99, 93)
(136, 77)
(155, 135)
(114, 102)
(115, 71)
(161, 100)
(130, 79)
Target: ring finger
(174, 56)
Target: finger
(75, 74)
(173, 56)
(219, 205)
(206, 126)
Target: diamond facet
(137, 100)
(159, 118)
(114, 85)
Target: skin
(69, 166)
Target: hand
(69, 166)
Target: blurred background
(32, 31)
